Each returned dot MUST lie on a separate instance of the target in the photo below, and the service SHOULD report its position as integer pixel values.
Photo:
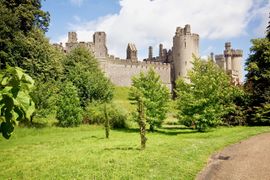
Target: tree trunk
(142, 124)
(107, 122)
(151, 128)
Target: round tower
(237, 56)
(185, 45)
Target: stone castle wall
(121, 71)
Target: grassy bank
(83, 153)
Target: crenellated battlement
(219, 57)
(142, 64)
(237, 53)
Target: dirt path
(249, 159)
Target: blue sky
(150, 22)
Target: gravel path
(247, 160)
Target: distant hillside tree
(82, 69)
(205, 97)
(155, 96)
(258, 81)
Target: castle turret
(150, 53)
(160, 51)
(72, 37)
(185, 45)
(231, 62)
(132, 52)
(237, 56)
(100, 49)
(228, 56)
(72, 41)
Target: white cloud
(262, 13)
(77, 2)
(146, 22)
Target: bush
(45, 96)
(208, 96)
(69, 112)
(94, 114)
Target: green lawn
(83, 153)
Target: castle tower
(237, 56)
(72, 37)
(72, 41)
(228, 56)
(150, 53)
(185, 45)
(231, 62)
(132, 52)
(100, 48)
(160, 52)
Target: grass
(84, 153)
(121, 98)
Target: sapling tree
(156, 97)
(137, 98)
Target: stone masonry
(170, 64)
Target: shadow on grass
(172, 131)
(33, 125)
(123, 149)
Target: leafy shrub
(208, 96)
(15, 101)
(45, 96)
(69, 112)
(94, 114)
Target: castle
(170, 64)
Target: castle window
(185, 44)
(99, 40)
(178, 54)
(186, 63)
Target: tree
(17, 20)
(136, 97)
(42, 61)
(156, 96)
(206, 97)
(15, 101)
(107, 121)
(69, 111)
(258, 81)
(81, 68)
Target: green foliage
(15, 101)
(237, 111)
(82, 69)
(45, 96)
(69, 112)
(41, 60)
(95, 114)
(154, 95)
(258, 81)
(18, 19)
(206, 98)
